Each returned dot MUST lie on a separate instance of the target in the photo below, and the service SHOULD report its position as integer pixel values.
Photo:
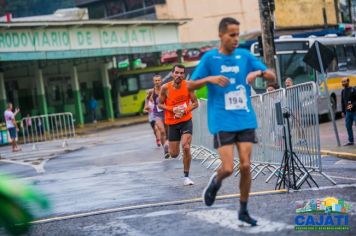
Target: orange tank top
(177, 98)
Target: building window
(345, 11)
(97, 11)
(134, 4)
(149, 3)
(115, 7)
(160, 1)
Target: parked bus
(131, 86)
(290, 53)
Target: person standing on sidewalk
(178, 102)
(348, 104)
(11, 125)
(228, 72)
(92, 106)
(158, 114)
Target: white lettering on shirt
(226, 69)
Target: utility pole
(267, 28)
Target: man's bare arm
(197, 84)
(194, 102)
(270, 75)
(162, 99)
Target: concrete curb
(344, 155)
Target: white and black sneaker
(187, 181)
(210, 191)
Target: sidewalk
(329, 144)
(91, 128)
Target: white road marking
(38, 167)
(228, 219)
(148, 205)
(115, 227)
(341, 177)
(343, 162)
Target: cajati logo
(330, 214)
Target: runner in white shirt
(149, 109)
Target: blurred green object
(15, 199)
(202, 92)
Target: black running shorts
(225, 138)
(176, 131)
(153, 123)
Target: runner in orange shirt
(178, 102)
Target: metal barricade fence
(270, 136)
(47, 127)
(301, 102)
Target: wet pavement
(122, 167)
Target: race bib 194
(236, 100)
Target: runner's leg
(187, 157)
(162, 132)
(226, 153)
(245, 151)
(174, 149)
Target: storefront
(53, 67)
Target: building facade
(55, 67)
(206, 14)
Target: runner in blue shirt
(228, 73)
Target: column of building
(107, 91)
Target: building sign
(62, 39)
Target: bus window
(146, 80)
(165, 75)
(128, 86)
(333, 65)
(292, 65)
(341, 57)
(350, 57)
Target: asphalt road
(120, 182)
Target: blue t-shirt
(229, 108)
(92, 104)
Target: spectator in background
(92, 106)
(11, 125)
(28, 124)
(40, 129)
(288, 82)
(348, 104)
(272, 87)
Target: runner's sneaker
(245, 217)
(158, 142)
(211, 190)
(188, 181)
(166, 153)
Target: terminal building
(57, 66)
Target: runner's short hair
(179, 66)
(225, 22)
